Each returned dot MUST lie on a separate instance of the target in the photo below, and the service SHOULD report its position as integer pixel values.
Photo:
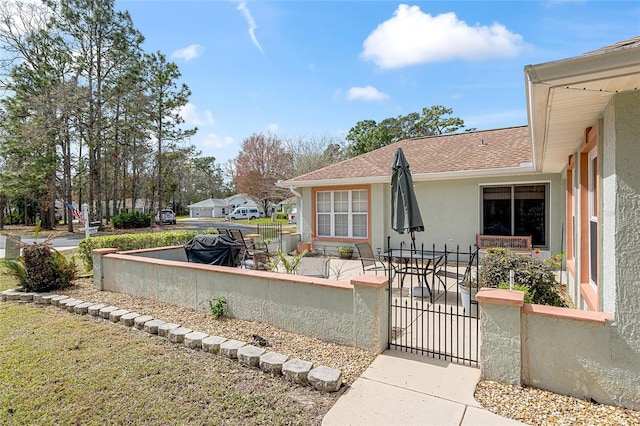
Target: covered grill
(213, 249)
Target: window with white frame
(342, 213)
(516, 210)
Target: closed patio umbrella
(405, 213)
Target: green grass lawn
(60, 368)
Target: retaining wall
(352, 313)
(567, 351)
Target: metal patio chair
(368, 260)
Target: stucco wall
(579, 357)
(450, 211)
(623, 239)
(345, 312)
(563, 350)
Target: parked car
(167, 216)
(245, 213)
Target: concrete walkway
(400, 388)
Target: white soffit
(566, 97)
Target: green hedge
(134, 242)
(131, 220)
(535, 274)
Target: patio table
(418, 263)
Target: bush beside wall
(134, 242)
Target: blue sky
(316, 68)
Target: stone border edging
(321, 378)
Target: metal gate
(428, 311)
(270, 232)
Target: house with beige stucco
(467, 183)
(570, 179)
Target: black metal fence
(270, 232)
(429, 312)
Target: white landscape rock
(177, 334)
(106, 311)
(56, 299)
(164, 330)
(212, 343)
(152, 326)
(249, 355)
(37, 298)
(325, 379)
(46, 299)
(272, 362)
(71, 305)
(116, 315)
(138, 322)
(297, 370)
(194, 339)
(82, 308)
(230, 348)
(26, 297)
(127, 319)
(94, 310)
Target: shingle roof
(458, 152)
(208, 203)
(625, 44)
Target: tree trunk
(2, 197)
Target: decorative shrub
(15, 268)
(519, 287)
(46, 268)
(289, 263)
(134, 242)
(282, 215)
(218, 306)
(131, 220)
(535, 274)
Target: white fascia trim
(542, 79)
(422, 177)
(584, 69)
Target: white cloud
(273, 128)
(368, 93)
(188, 53)
(215, 141)
(242, 7)
(193, 117)
(413, 37)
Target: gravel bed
(537, 407)
(351, 361)
(525, 404)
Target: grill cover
(213, 249)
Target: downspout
(292, 189)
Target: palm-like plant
(15, 268)
(289, 263)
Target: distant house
(243, 200)
(219, 208)
(212, 207)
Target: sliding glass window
(516, 210)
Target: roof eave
(525, 168)
(541, 80)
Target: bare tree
(262, 161)
(313, 153)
